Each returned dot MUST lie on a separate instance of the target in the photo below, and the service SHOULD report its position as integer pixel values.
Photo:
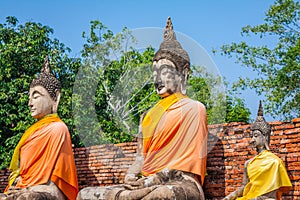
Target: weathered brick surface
(228, 146)
(104, 164)
(3, 179)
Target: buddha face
(167, 80)
(258, 139)
(40, 102)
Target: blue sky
(210, 23)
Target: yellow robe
(175, 136)
(266, 173)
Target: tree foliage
(221, 107)
(117, 76)
(277, 66)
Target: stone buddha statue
(265, 176)
(172, 143)
(43, 165)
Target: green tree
(236, 110)
(221, 107)
(277, 66)
(22, 51)
(114, 75)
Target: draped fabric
(175, 136)
(46, 154)
(15, 162)
(266, 173)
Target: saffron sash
(154, 115)
(15, 161)
(175, 136)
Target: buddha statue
(172, 142)
(43, 165)
(265, 176)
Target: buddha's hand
(13, 190)
(134, 183)
(130, 179)
(229, 197)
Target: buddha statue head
(44, 93)
(171, 65)
(260, 131)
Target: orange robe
(178, 139)
(266, 173)
(47, 155)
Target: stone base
(95, 193)
(28, 195)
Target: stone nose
(157, 83)
(29, 102)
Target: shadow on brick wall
(214, 184)
(104, 165)
(86, 176)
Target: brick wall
(228, 147)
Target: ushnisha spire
(171, 49)
(260, 110)
(261, 124)
(47, 80)
(46, 65)
(169, 33)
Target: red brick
(291, 131)
(275, 123)
(296, 120)
(295, 135)
(278, 132)
(292, 159)
(283, 126)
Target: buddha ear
(184, 78)
(55, 105)
(266, 144)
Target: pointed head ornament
(171, 49)
(261, 124)
(47, 80)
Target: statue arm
(239, 192)
(136, 168)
